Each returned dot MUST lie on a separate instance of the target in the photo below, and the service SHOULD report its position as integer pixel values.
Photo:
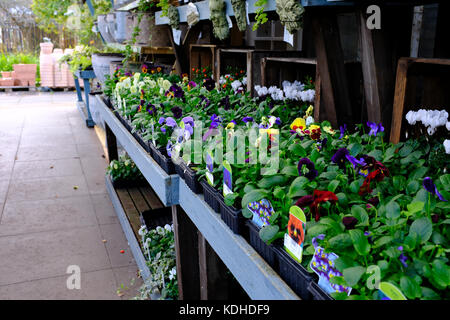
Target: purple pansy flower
(171, 122)
(163, 130)
(314, 240)
(374, 128)
(429, 185)
(177, 91)
(169, 147)
(177, 112)
(312, 172)
(188, 120)
(247, 119)
(349, 222)
(355, 162)
(151, 109)
(161, 120)
(209, 84)
(339, 157)
(402, 257)
(342, 129)
(192, 84)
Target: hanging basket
(291, 14)
(240, 13)
(218, 18)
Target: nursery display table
(255, 276)
(85, 76)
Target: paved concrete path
(54, 209)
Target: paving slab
(54, 210)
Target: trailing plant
(174, 17)
(159, 250)
(164, 5)
(261, 16)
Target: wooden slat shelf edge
(292, 60)
(128, 231)
(256, 277)
(164, 185)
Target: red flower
(380, 172)
(317, 198)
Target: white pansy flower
(166, 85)
(168, 227)
(309, 121)
(142, 231)
(236, 84)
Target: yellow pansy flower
(329, 130)
(314, 127)
(298, 123)
(309, 111)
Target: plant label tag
(153, 133)
(295, 236)
(323, 264)
(288, 37)
(387, 291)
(230, 23)
(227, 178)
(246, 12)
(262, 211)
(176, 36)
(209, 168)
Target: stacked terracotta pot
(25, 75)
(7, 79)
(47, 65)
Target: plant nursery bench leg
(213, 284)
(87, 89)
(77, 86)
(186, 247)
(111, 145)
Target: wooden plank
(399, 99)
(138, 199)
(164, 185)
(128, 231)
(330, 62)
(293, 60)
(213, 283)
(130, 211)
(186, 247)
(255, 276)
(369, 68)
(151, 198)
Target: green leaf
(338, 280)
(382, 241)
(332, 186)
(445, 180)
(298, 150)
(441, 273)
(297, 185)
(418, 173)
(342, 199)
(290, 171)
(405, 151)
(268, 232)
(279, 193)
(354, 186)
(392, 210)
(377, 154)
(423, 228)
(340, 242)
(399, 182)
(316, 229)
(229, 199)
(353, 274)
(254, 195)
(415, 207)
(361, 215)
(360, 242)
(268, 182)
(410, 287)
(412, 187)
(247, 213)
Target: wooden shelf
(128, 230)
(165, 186)
(255, 276)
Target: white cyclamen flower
(236, 84)
(447, 146)
(447, 125)
(172, 273)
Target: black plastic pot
(156, 217)
(141, 141)
(211, 196)
(294, 274)
(191, 178)
(164, 162)
(179, 169)
(107, 101)
(265, 250)
(317, 292)
(232, 217)
(123, 184)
